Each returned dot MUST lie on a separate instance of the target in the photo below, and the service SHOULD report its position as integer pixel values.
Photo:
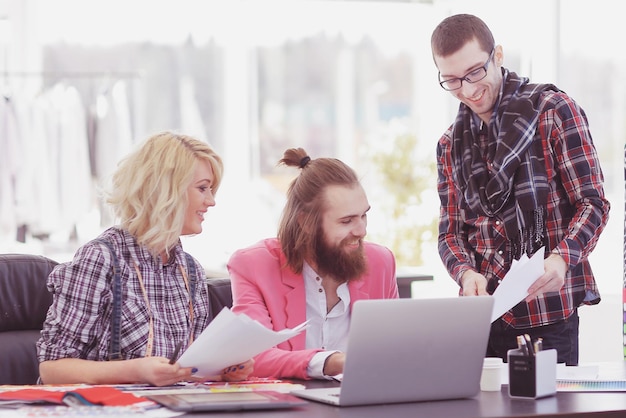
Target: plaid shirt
(577, 212)
(78, 321)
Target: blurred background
(86, 80)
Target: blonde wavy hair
(149, 188)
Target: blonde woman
(131, 299)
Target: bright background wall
(350, 79)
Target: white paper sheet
(514, 287)
(231, 339)
(577, 373)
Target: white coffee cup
(491, 377)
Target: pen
(529, 345)
(175, 354)
(521, 345)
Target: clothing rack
(52, 76)
(73, 74)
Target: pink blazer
(272, 294)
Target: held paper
(231, 339)
(514, 287)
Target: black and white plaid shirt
(78, 322)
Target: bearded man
(315, 269)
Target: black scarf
(516, 191)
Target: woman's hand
(153, 370)
(238, 372)
(158, 371)
(234, 373)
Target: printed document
(231, 339)
(514, 287)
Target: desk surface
(485, 404)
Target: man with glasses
(517, 173)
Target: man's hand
(473, 283)
(334, 364)
(552, 279)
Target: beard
(336, 262)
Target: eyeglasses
(471, 77)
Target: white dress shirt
(328, 331)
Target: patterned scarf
(516, 191)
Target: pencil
(175, 354)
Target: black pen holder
(532, 376)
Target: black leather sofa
(24, 301)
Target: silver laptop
(405, 350)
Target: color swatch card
(589, 378)
(591, 385)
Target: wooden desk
(483, 405)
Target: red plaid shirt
(577, 212)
